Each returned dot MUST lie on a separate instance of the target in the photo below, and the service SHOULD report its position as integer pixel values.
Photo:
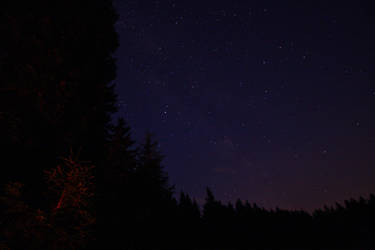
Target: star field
(267, 101)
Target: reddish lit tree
(72, 181)
(72, 215)
(66, 225)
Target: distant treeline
(73, 179)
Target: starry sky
(267, 101)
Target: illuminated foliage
(72, 215)
(73, 182)
(67, 225)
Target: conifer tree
(119, 191)
(212, 207)
(155, 205)
(150, 173)
(188, 207)
(121, 153)
(56, 90)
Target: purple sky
(267, 101)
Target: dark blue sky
(267, 101)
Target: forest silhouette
(71, 178)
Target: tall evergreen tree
(155, 205)
(121, 153)
(150, 173)
(56, 69)
(119, 192)
(212, 207)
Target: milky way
(267, 101)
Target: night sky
(267, 101)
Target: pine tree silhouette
(156, 207)
(119, 193)
(189, 222)
(150, 172)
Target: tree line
(71, 178)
